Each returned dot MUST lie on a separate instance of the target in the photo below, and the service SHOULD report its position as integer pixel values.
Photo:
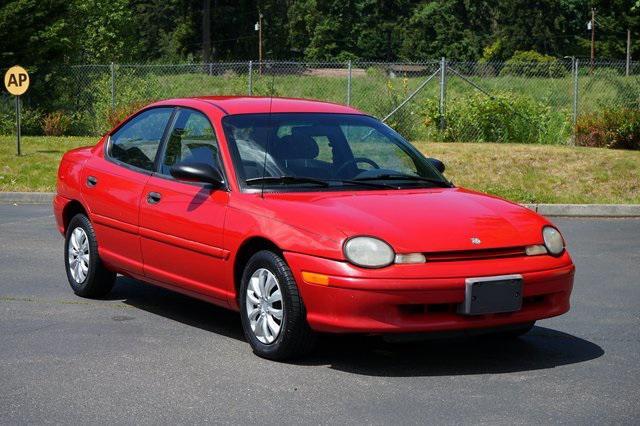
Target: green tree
(613, 18)
(455, 29)
(41, 33)
(165, 29)
(36, 34)
(106, 31)
(303, 18)
(333, 35)
(379, 29)
(550, 27)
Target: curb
(586, 210)
(26, 197)
(556, 210)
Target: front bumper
(423, 298)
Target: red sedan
(305, 217)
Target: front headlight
(553, 240)
(369, 252)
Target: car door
(181, 223)
(114, 181)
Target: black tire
(98, 281)
(513, 332)
(295, 337)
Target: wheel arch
(71, 209)
(248, 248)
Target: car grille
(452, 256)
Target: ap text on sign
(16, 80)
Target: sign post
(16, 81)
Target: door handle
(92, 181)
(153, 197)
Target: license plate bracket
(492, 295)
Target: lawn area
(36, 169)
(542, 173)
(523, 173)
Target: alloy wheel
(78, 255)
(264, 305)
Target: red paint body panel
(358, 301)
(421, 220)
(114, 209)
(182, 236)
(260, 105)
(60, 203)
(190, 240)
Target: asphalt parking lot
(147, 355)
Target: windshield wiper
(363, 183)
(389, 176)
(286, 179)
(322, 182)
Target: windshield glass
(324, 152)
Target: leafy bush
(30, 120)
(506, 117)
(7, 119)
(617, 128)
(533, 64)
(118, 114)
(83, 123)
(129, 90)
(627, 92)
(405, 120)
(56, 123)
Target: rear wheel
(272, 313)
(86, 274)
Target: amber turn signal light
(313, 278)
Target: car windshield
(296, 151)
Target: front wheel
(86, 274)
(272, 313)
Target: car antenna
(266, 150)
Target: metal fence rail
(430, 100)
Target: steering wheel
(355, 162)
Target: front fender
(241, 225)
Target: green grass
(372, 91)
(35, 169)
(523, 173)
(542, 173)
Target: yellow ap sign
(16, 80)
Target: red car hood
(425, 220)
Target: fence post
(443, 78)
(628, 53)
(210, 69)
(349, 85)
(575, 99)
(113, 85)
(250, 78)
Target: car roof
(263, 104)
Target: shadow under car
(434, 355)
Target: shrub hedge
(533, 64)
(505, 117)
(617, 128)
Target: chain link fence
(431, 100)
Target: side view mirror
(197, 172)
(439, 165)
